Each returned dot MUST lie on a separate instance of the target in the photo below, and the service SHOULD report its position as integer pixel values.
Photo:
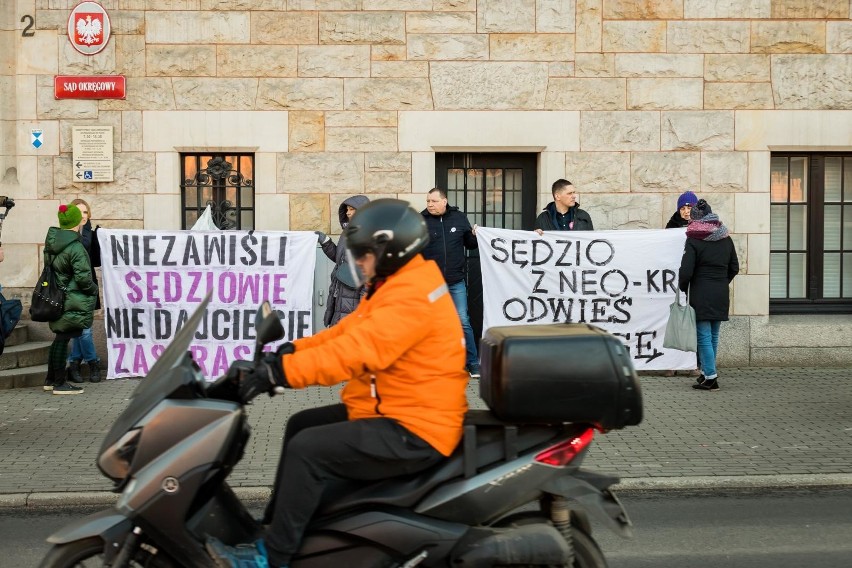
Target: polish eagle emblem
(89, 29)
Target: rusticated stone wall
(633, 100)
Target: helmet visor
(357, 276)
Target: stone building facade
(634, 101)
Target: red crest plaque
(88, 28)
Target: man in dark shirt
(563, 213)
(449, 234)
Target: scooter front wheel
(89, 553)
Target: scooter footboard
(109, 524)
(590, 491)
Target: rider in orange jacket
(402, 353)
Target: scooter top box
(559, 373)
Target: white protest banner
(154, 280)
(621, 281)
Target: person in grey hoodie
(343, 294)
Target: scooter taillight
(562, 453)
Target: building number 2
(30, 21)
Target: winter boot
(74, 372)
(61, 384)
(48, 381)
(94, 371)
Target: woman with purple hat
(685, 203)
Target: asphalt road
(749, 530)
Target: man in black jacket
(449, 234)
(563, 213)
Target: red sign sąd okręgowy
(89, 87)
(88, 28)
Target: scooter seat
(408, 490)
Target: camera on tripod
(8, 203)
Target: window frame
(814, 301)
(232, 178)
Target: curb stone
(259, 495)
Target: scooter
(512, 494)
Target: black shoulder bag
(48, 296)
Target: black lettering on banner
(167, 257)
(282, 251)
(214, 245)
(162, 324)
(149, 251)
(669, 278)
(589, 284)
(248, 243)
(494, 243)
(536, 287)
(516, 253)
(561, 261)
(570, 284)
(191, 251)
(125, 323)
(609, 246)
(535, 259)
(607, 276)
(644, 348)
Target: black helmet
(390, 229)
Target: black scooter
(511, 495)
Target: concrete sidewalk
(764, 428)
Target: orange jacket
(402, 351)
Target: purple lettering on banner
(172, 286)
(131, 278)
(151, 287)
(220, 362)
(278, 289)
(119, 358)
(157, 351)
(140, 365)
(193, 287)
(227, 287)
(248, 283)
(242, 352)
(199, 355)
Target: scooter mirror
(267, 326)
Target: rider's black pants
(321, 445)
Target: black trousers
(320, 446)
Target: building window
(225, 182)
(810, 263)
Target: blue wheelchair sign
(87, 174)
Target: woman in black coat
(708, 265)
(343, 294)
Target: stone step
(25, 355)
(18, 336)
(20, 378)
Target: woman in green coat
(64, 250)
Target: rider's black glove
(321, 237)
(285, 349)
(266, 376)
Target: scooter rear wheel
(88, 552)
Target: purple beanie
(686, 198)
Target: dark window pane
(798, 179)
(778, 275)
(778, 180)
(798, 227)
(778, 227)
(847, 227)
(847, 179)
(831, 275)
(798, 275)
(847, 275)
(832, 180)
(831, 227)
